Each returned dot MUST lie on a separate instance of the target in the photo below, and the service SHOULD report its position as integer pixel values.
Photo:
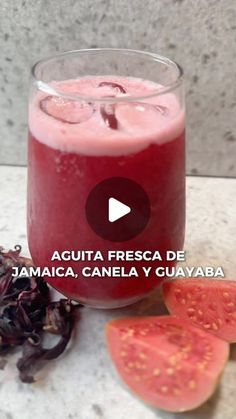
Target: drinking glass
(94, 115)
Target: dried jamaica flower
(27, 314)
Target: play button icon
(117, 209)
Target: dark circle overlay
(129, 193)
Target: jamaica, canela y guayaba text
(106, 265)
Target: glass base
(112, 304)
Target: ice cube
(114, 86)
(139, 114)
(108, 115)
(66, 110)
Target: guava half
(207, 303)
(167, 361)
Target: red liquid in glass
(58, 185)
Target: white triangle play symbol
(117, 210)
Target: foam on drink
(80, 126)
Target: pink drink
(73, 147)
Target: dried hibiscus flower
(27, 314)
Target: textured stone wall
(199, 34)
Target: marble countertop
(82, 384)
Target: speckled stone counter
(82, 383)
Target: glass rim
(45, 87)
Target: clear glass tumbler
(94, 115)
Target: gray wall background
(199, 34)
